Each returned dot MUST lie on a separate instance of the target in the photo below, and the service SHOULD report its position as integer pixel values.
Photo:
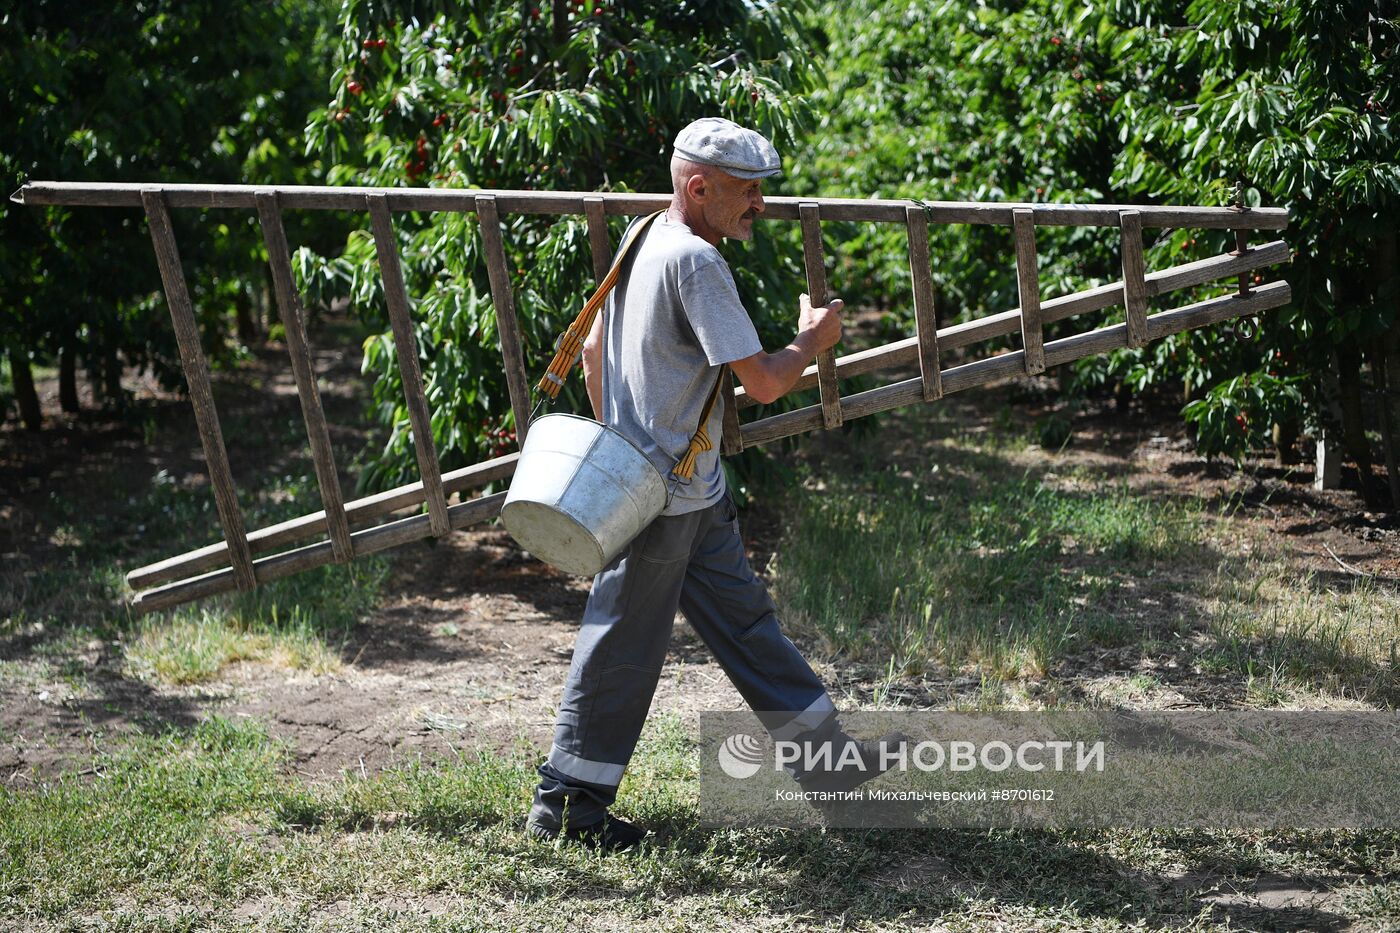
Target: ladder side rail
(1064, 350)
(357, 511)
(326, 197)
(277, 566)
(955, 336)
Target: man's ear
(697, 186)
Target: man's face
(734, 205)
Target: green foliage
(1129, 103)
(505, 95)
(148, 91)
(1237, 414)
(961, 101)
(1294, 99)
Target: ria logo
(740, 756)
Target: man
(650, 364)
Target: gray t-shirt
(674, 318)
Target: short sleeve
(711, 301)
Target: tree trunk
(244, 320)
(1388, 274)
(1286, 443)
(1348, 361)
(1122, 396)
(559, 20)
(114, 381)
(267, 302)
(1384, 389)
(107, 379)
(68, 380)
(94, 378)
(1330, 416)
(22, 377)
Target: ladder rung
(732, 441)
(196, 368)
(1134, 277)
(507, 325)
(1028, 284)
(317, 432)
(925, 321)
(813, 256)
(406, 347)
(599, 243)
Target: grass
(59, 607)
(979, 553)
(986, 556)
(208, 829)
(1296, 637)
(301, 623)
(197, 644)
(1003, 572)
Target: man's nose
(756, 202)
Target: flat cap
(719, 142)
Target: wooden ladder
(245, 558)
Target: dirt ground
(472, 642)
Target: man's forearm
(786, 366)
(769, 376)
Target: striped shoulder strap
(571, 343)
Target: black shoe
(609, 834)
(851, 777)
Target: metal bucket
(581, 493)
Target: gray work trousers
(695, 561)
